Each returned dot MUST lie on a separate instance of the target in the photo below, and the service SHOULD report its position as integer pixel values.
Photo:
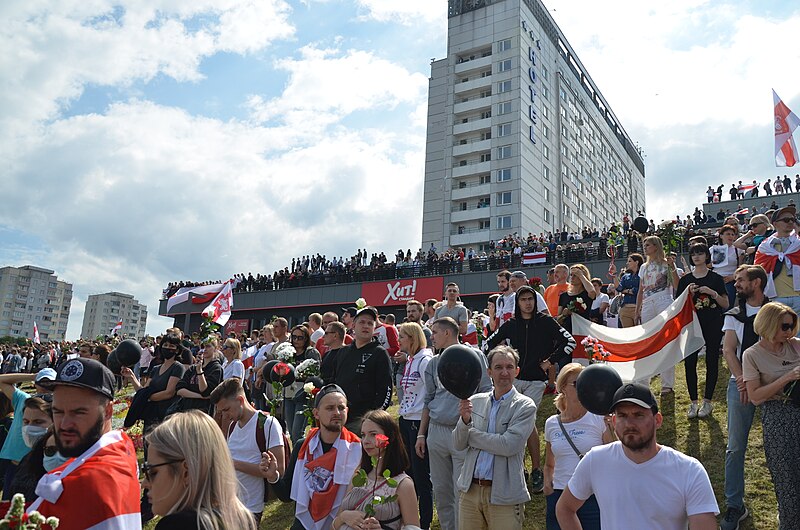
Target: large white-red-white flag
(36, 338)
(220, 309)
(786, 122)
(641, 352)
(198, 295)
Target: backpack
(261, 441)
(615, 305)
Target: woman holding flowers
(300, 338)
(577, 298)
(381, 496)
(707, 289)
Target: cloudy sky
(159, 140)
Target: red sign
(237, 326)
(398, 292)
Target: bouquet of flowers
(306, 369)
(671, 235)
(311, 390)
(536, 283)
(703, 301)
(284, 352)
(18, 519)
(361, 304)
(480, 321)
(360, 479)
(595, 350)
(575, 306)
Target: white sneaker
(705, 410)
(692, 411)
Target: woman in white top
(412, 342)
(600, 304)
(585, 430)
(725, 258)
(232, 367)
(657, 279)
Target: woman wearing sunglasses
(771, 369)
(233, 366)
(759, 230)
(707, 289)
(189, 476)
(300, 338)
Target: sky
(160, 140)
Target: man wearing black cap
(363, 370)
(102, 466)
(779, 254)
(637, 482)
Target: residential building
(32, 294)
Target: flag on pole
(117, 327)
(198, 295)
(36, 338)
(220, 309)
(529, 258)
(786, 122)
(743, 211)
(641, 352)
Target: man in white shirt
(246, 444)
(315, 323)
(637, 482)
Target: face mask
(32, 433)
(168, 354)
(52, 462)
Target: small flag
(36, 338)
(786, 122)
(743, 211)
(530, 258)
(118, 326)
(220, 309)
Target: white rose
(308, 388)
(208, 312)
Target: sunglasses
(50, 450)
(47, 397)
(146, 467)
(756, 224)
(330, 333)
(298, 337)
(788, 220)
(786, 327)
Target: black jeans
(420, 472)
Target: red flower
(282, 369)
(315, 391)
(381, 441)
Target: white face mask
(32, 433)
(52, 462)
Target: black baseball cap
(352, 311)
(369, 310)
(637, 394)
(83, 373)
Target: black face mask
(168, 354)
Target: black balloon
(113, 364)
(640, 224)
(282, 373)
(596, 385)
(460, 370)
(267, 369)
(128, 352)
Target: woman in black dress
(577, 298)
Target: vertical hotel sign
(532, 114)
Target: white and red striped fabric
(36, 338)
(198, 295)
(743, 211)
(641, 352)
(220, 308)
(117, 327)
(786, 122)
(529, 258)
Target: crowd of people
(739, 191)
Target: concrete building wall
(33, 294)
(103, 311)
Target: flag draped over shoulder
(786, 122)
(640, 352)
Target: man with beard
(637, 482)
(99, 486)
(320, 468)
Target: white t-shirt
(585, 433)
(660, 493)
(600, 299)
(317, 335)
(235, 368)
(731, 323)
(243, 446)
(725, 259)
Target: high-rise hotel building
(519, 137)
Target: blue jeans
(588, 514)
(740, 419)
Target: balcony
(474, 64)
(474, 190)
(469, 236)
(472, 168)
(470, 214)
(472, 105)
(472, 125)
(473, 84)
(472, 147)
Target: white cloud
(406, 12)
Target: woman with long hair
(413, 344)
(628, 286)
(707, 289)
(190, 476)
(300, 336)
(380, 439)
(233, 366)
(578, 297)
(201, 379)
(771, 369)
(657, 278)
(568, 436)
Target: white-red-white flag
(786, 122)
(198, 295)
(529, 258)
(640, 352)
(220, 309)
(743, 211)
(36, 338)
(117, 327)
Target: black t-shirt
(565, 299)
(159, 378)
(185, 520)
(708, 311)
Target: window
(504, 175)
(545, 92)
(504, 222)
(504, 152)
(562, 93)
(486, 157)
(545, 112)
(485, 179)
(484, 224)
(504, 129)
(546, 215)
(486, 114)
(545, 131)
(545, 151)
(504, 66)
(504, 86)
(546, 195)
(546, 172)
(504, 45)
(504, 108)
(504, 198)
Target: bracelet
(420, 436)
(276, 480)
